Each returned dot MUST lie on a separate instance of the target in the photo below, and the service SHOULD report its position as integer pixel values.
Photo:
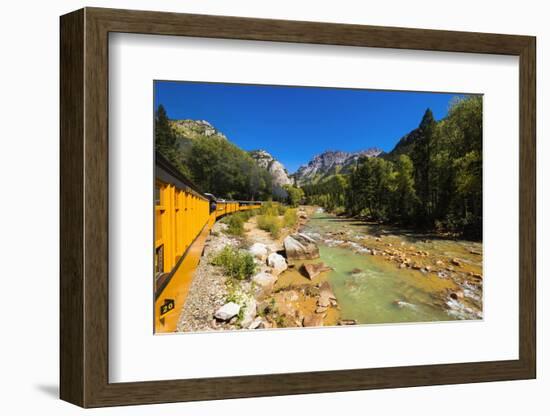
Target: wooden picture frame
(84, 207)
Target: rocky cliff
(279, 174)
(193, 129)
(329, 163)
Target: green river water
(371, 289)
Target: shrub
(246, 215)
(282, 209)
(266, 208)
(237, 264)
(270, 223)
(235, 222)
(271, 208)
(290, 218)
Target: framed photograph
(255, 207)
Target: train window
(157, 195)
(158, 225)
(159, 259)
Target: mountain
(330, 163)
(404, 146)
(188, 131)
(279, 174)
(195, 129)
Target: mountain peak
(331, 162)
(192, 129)
(278, 172)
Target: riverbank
(297, 296)
(277, 294)
(351, 272)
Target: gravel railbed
(208, 291)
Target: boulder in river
(277, 263)
(326, 296)
(326, 290)
(227, 311)
(300, 247)
(313, 270)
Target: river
(375, 289)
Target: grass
(270, 220)
(237, 264)
(236, 295)
(282, 209)
(269, 308)
(280, 320)
(290, 217)
(270, 223)
(273, 208)
(235, 222)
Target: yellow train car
(183, 219)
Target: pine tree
(422, 160)
(165, 138)
(406, 199)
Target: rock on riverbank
(315, 269)
(300, 247)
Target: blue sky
(296, 123)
